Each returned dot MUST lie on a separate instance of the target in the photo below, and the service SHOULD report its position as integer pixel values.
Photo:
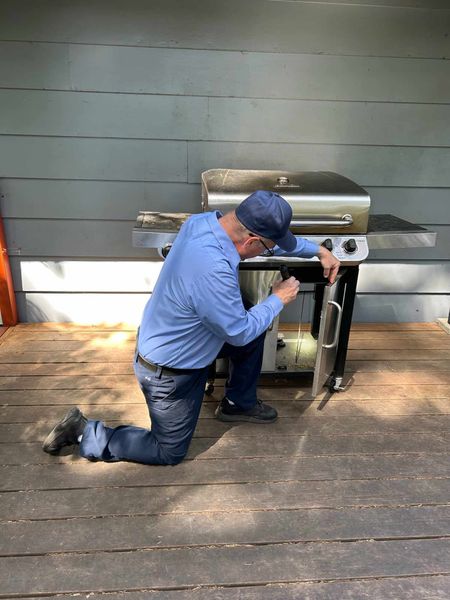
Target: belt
(163, 370)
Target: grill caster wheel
(209, 390)
(334, 385)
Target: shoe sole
(243, 419)
(52, 436)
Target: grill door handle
(345, 221)
(338, 325)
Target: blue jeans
(174, 401)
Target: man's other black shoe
(66, 432)
(260, 413)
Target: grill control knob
(350, 246)
(328, 244)
(165, 250)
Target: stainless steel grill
(321, 201)
(328, 209)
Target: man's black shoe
(66, 432)
(260, 413)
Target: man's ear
(251, 240)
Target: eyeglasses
(268, 251)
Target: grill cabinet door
(328, 339)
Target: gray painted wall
(108, 107)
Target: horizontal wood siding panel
(368, 165)
(112, 239)
(86, 276)
(102, 115)
(61, 238)
(115, 200)
(61, 158)
(394, 308)
(419, 205)
(128, 276)
(292, 27)
(108, 200)
(27, 65)
(391, 278)
(81, 308)
(120, 308)
(231, 74)
(392, 3)
(106, 110)
(325, 122)
(222, 119)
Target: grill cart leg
(349, 293)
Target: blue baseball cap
(269, 215)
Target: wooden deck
(344, 497)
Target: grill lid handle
(345, 221)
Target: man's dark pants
(174, 401)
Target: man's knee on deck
(173, 456)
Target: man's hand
(329, 263)
(286, 290)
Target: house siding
(108, 108)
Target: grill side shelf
(157, 230)
(158, 221)
(388, 231)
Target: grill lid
(321, 201)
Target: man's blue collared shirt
(196, 304)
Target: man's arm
(307, 249)
(217, 301)
(329, 263)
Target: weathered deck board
(39, 368)
(111, 381)
(92, 356)
(429, 341)
(300, 425)
(246, 527)
(111, 406)
(190, 567)
(395, 365)
(268, 496)
(118, 338)
(425, 587)
(121, 355)
(254, 512)
(79, 475)
(257, 447)
(40, 327)
(356, 327)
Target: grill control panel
(350, 250)
(347, 249)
